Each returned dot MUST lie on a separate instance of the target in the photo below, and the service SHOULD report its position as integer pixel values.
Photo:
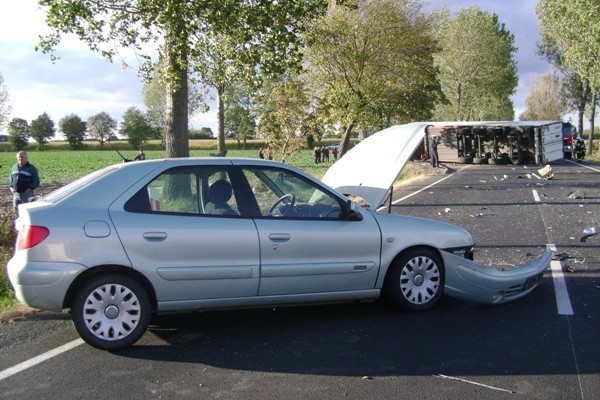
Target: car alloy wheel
(416, 281)
(111, 311)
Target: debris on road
(577, 194)
(588, 232)
(546, 172)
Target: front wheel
(416, 281)
(111, 311)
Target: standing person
(325, 154)
(433, 153)
(24, 179)
(261, 154)
(335, 153)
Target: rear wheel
(416, 281)
(111, 311)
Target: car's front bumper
(472, 281)
(40, 284)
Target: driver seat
(219, 193)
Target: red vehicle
(568, 145)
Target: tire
(111, 311)
(416, 281)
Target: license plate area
(532, 281)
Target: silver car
(178, 235)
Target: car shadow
(367, 339)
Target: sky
(84, 83)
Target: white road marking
(418, 191)
(475, 383)
(39, 359)
(583, 165)
(563, 301)
(536, 196)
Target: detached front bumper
(472, 281)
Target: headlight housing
(466, 252)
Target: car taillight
(31, 235)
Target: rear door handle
(155, 236)
(279, 237)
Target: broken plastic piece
(588, 232)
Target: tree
(233, 55)
(178, 28)
(477, 70)
(286, 116)
(41, 129)
(572, 27)
(373, 63)
(101, 126)
(575, 89)
(136, 127)
(73, 128)
(155, 100)
(239, 113)
(18, 133)
(5, 106)
(545, 101)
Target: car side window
(187, 191)
(283, 194)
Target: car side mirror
(350, 212)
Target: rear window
(74, 186)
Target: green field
(58, 165)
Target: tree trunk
(345, 144)
(221, 118)
(585, 92)
(592, 121)
(176, 136)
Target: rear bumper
(472, 281)
(42, 285)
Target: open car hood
(370, 168)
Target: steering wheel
(286, 197)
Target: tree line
(570, 42)
(135, 126)
(293, 72)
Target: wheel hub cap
(419, 280)
(111, 312)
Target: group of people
(321, 154)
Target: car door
(309, 246)
(186, 252)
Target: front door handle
(155, 236)
(279, 237)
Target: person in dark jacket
(433, 153)
(24, 179)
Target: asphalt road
(528, 349)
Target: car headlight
(466, 252)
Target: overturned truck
(496, 142)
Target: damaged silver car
(177, 235)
